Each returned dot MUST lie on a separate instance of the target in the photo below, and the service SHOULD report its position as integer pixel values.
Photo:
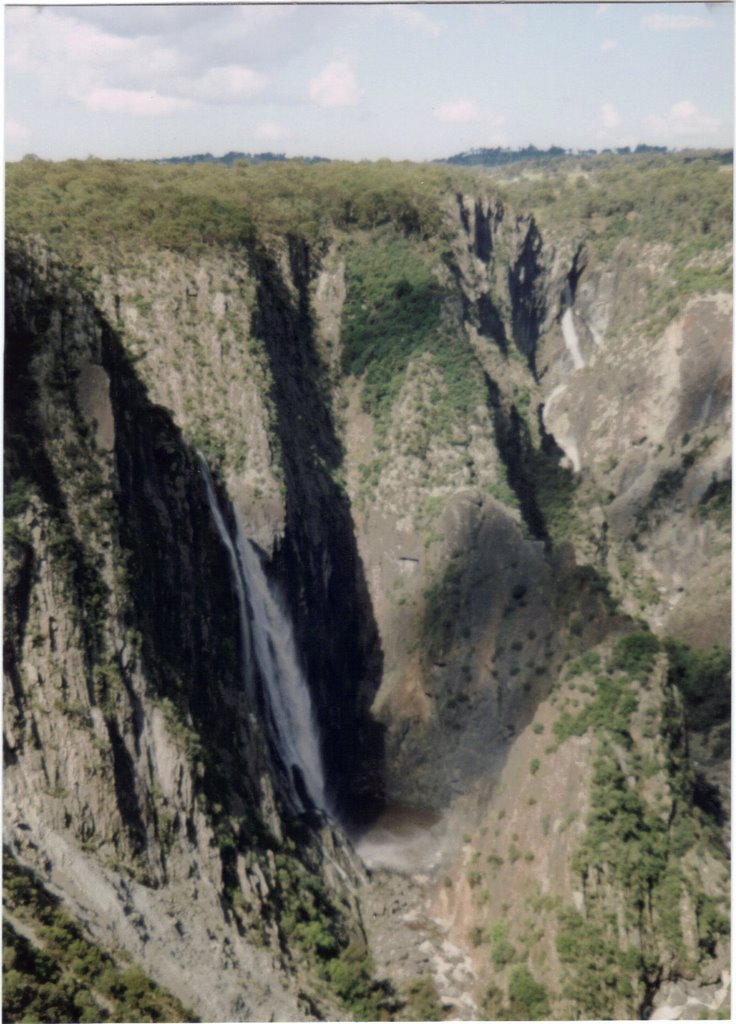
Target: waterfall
(289, 718)
(569, 332)
(247, 670)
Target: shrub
(712, 924)
(351, 976)
(476, 936)
(527, 997)
(600, 971)
(635, 654)
(704, 680)
(609, 712)
(502, 951)
(716, 502)
(442, 603)
(422, 1002)
(623, 833)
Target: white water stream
(403, 839)
(569, 332)
(291, 723)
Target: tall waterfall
(290, 717)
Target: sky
(396, 81)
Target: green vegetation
(392, 313)
(634, 842)
(442, 602)
(622, 832)
(702, 677)
(608, 712)
(554, 489)
(704, 680)
(635, 654)
(502, 951)
(309, 921)
(351, 977)
(398, 310)
(422, 1001)
(601, 974)
(392, 310)
(497, 156)
(630, 841)
(682, 203)
(76, 204)
(589, 661)
(16, 497)
(87, 209)
(70, 979)
(716, 503)
(679, 198)
(35, 988)
(527, 997)
(176, 719)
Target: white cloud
(271, 131)
(602, 8)
(36, 37)
(70, 59)
(335, 86)
(684, 120)
(458, 112)
(607, 45)
(15, 130)
(609, 116)
(415, 19)
(73, 60)
(224, 84)
(684, 111)
(135, 103)
(675, 22)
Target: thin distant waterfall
(290, 718)
(569, 331)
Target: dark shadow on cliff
(174, 597)
(185, 604)
(317, 563)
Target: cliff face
(317, 560)
(470, 463)
(137, 774)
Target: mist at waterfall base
(396, 837)
(407, 839)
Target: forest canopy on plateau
(678, 198)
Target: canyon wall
(490, 492)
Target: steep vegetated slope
(478, 429)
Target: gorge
(367, 590)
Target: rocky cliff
(485, 458)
